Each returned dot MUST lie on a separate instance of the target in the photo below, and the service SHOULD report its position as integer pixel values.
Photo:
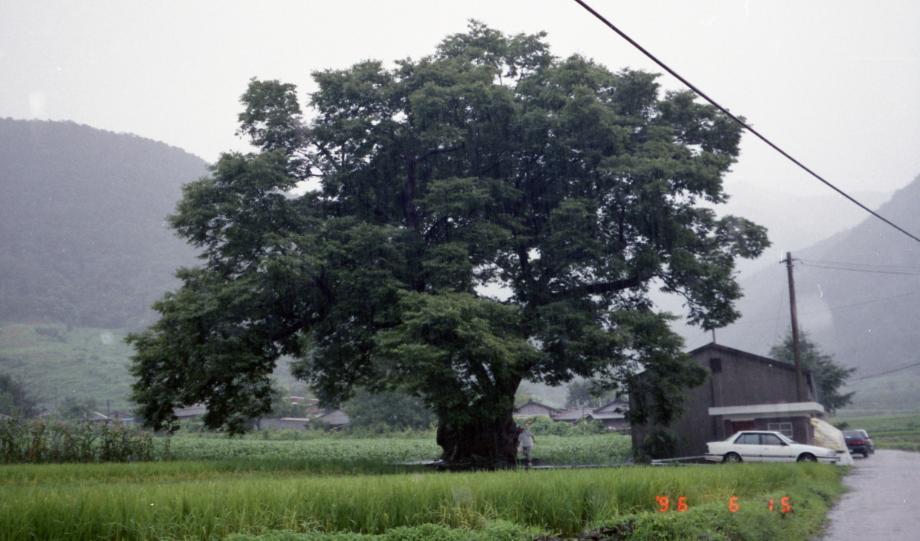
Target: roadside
(881, 502)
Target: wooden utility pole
(799, 391)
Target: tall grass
(217, 504)
(40, 441)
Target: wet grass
(202, 500)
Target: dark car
(858, 441)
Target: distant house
(289, 423)
(532, 408)
(742, 391)
(334, 419)
(573, 415)
(612, 415)
(190, 412)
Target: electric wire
(861, 265)
(885, 373)
(741, 122)
(852, 269)
(825, 310)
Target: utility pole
(800, 395)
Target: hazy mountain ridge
(83, 236)
(866, 320)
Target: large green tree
(565, 189)
(828, 375)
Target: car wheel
(732, 458)
(865, 454)
(806, 457)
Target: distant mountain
(867, 320)
(83, 236)
(793, 221)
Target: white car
(766, 446)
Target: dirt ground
(882, 502)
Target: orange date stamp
(665, 504)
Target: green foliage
(547, 426)
(39, 441)
(488, 162)
(135, 503)
(492, 531)
(15, 399)
(828, 375)
(658, 443)
(387, 411)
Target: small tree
(828, 375)
(15, 399)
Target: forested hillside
(83, 236)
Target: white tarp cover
(829, 436)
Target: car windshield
(785, 438)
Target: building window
(715, 365)
(784, 428)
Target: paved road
(883, 501)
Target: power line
(863, 265)
(825, 309)
(743, 124)
(851, 269)
(885, 373)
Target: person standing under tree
(526, 441)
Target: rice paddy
(344, 489)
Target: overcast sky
(836, 82)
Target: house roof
(190, 411)
(334, 417)
(713, 347)
(572, 414)
(612, 406)
(533, 402)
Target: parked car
(858, 441)
(766, 446)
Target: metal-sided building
(742, 391)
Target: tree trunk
(483, 443)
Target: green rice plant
(158, 503)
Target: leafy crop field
(380, 454)
(891, 432)
(200, 500)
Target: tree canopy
(482, 215)
(828, 375)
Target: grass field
(889, 432)
(200, 500)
